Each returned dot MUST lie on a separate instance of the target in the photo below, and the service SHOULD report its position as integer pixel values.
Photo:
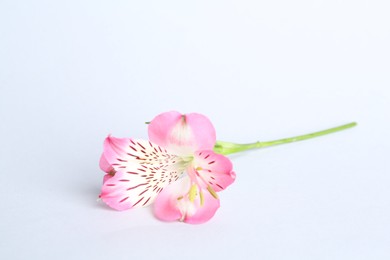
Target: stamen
(192, 193)
(201, 198)
(212, 192)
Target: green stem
(229, 148)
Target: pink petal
(204, 212)
(173, 204)
(142, 170)
(114, 147)
(106, 177)
(104, 165)
(211, 169)
(165, 205)
(183, 134)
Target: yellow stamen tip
(212, 192)
(201, 198)
(192, 193)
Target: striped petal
(142, 170)
(212, 171)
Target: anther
(212, 192)
(192, 193)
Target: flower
(176, 168)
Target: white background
(72, 72)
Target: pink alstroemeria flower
(177, 169)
